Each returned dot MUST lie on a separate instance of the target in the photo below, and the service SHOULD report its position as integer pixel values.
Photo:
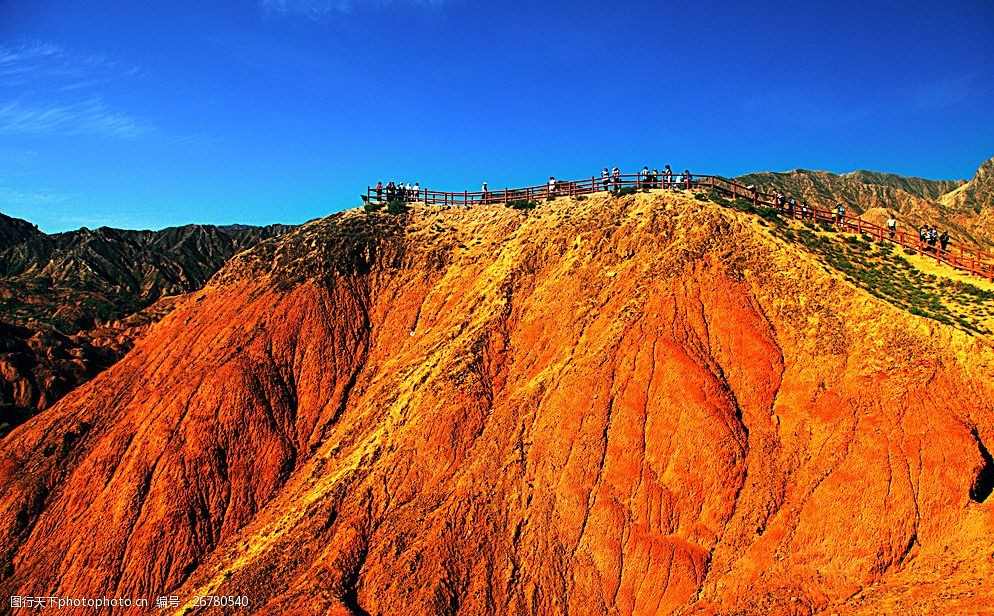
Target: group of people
(792, 207)
(398, 191)
(789, 205)
(612, 180)
(664, 179)
(930, 235)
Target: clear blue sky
(157, 113)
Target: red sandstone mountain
(641, 405)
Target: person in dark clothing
(379, 191)
(391, 191)
(944, 240)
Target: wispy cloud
(59, 92)
(943, 94)
(49, 66)
(87, 117)
(44, 198)
(317, 9)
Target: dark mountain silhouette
(16, 231)
(70, 303)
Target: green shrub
(522, 204)
(373, 206)
(621, 192)
(396, 207)
(581, 197)
(770, 214)
(701, 197)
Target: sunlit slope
(643, 404)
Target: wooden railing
(969, 259)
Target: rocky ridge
(965, 208)
(71, 303)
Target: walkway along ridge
(957, 255)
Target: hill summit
(640, 404)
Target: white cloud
(90, 117)
(316, 9)
(43, 198)
(37, 64)
(944, 94)
(58, 92)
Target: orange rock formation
(638, 405)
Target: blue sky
(160, 113)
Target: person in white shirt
(552, 186)
(892, 225)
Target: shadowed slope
(634, 405)
(71, 303)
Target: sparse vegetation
(396, 207)
(621, 192)
(886, 274)
(522, 204)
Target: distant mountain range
(70, 303)
(965, 208)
